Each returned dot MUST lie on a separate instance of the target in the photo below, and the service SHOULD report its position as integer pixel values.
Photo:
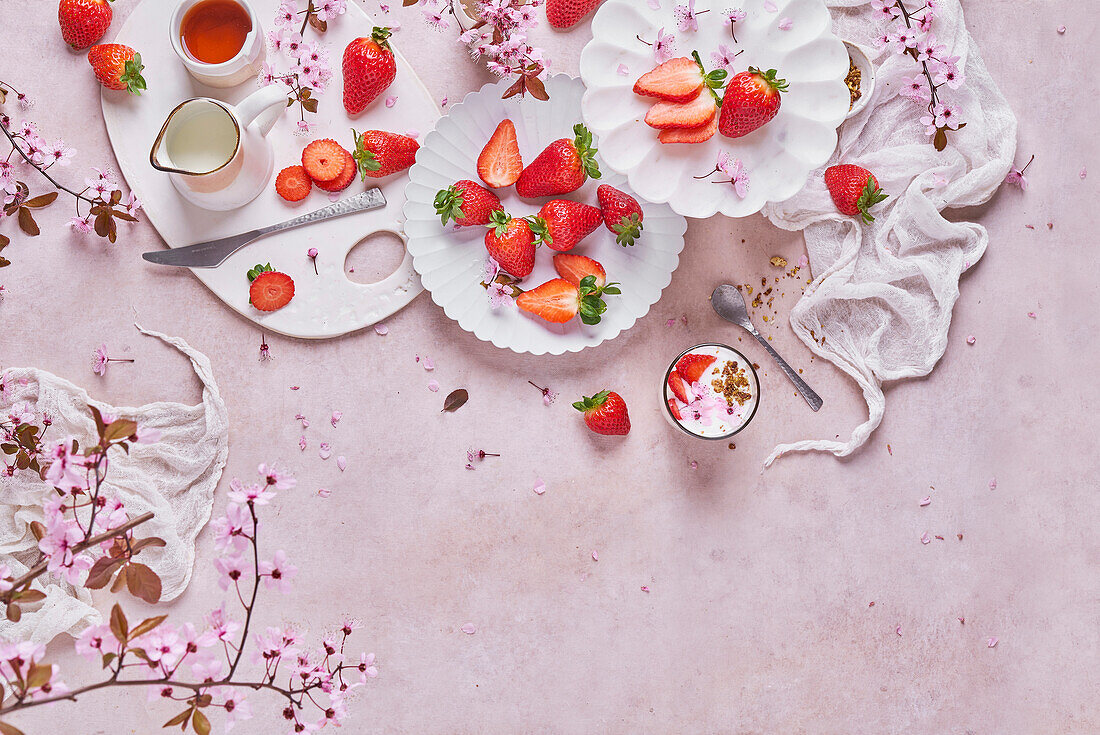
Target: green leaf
(448, 204)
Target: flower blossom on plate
(664, 46)
(735, 169)
(725, 57)
(329, 9)
(686, 19)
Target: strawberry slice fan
(877, 309)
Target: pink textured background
(758, 619)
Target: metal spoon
(730, 305)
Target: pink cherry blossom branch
(40, 568)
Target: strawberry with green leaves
(752, 99)
(568, 223)
(466, 203)
(117, 67)
(379, 153)
(562, 14)
(605, 413)
(560, 300)
(621, 214)
(511, 242)
(854, 190)
(561, 168)
(270, 290)
(369, 68)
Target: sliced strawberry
(556, 301)
(271, 290)
(674, 409)
(323, 160)
(694, 114)
(293, 184)
(573, 268)
(692, 366)
(678, 387)
(344, 180)
(676, 80)
(690, 135)
(500, 162)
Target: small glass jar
(721, 402)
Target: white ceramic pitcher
(217, 154)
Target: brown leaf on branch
(102, 571)
(41, 200)
(27, 223)
(13, 612)
(119, 626)
(6, 729)
(200, 723)
(143, 583)
(147, 625)
(537, 88)
(180, 719)
(119, 429)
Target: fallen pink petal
(433, 386)
(540, 487)
(926, 538)
(595, 555)
(926, 500)
(468, 628)
(342, 463)
(381, 329)
(992, 642)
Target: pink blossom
(366, 667)
(735, 169)
(278, 572)
(664, 46)
(273, 477)
(329, 9)
(95, 641)
(915, 89)
(231, 568)
(499, 295)
(336, 416)
(724, 58)
(246, 494)
(685, 17)
(100, 360)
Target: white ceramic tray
(778, 156)
(327, 305)
(451, 261)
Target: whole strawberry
(83, 22)
(563, 167)
(511, 242)
(751, 101)
(379, 153)
(567, 13)
(568, 223)
(854, 190)
(621, 214)
(605, 413)
(369, 68)
(466, 203)
(117, 67)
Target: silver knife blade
(213, 253)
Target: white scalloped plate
(450, 260)
(778, 157)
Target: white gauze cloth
(880, 304)
(173, 477)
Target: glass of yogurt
(710, 391)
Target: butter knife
(213, 253)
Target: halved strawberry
(344, 180)
(694, 114)
(271, 290)
(674, 409)
(692, 366)
(323, 160)
(293, 183)
(676, 80)
(678, 387)
(574, 268)
(500, 162)
(556, 301)
(690, 135)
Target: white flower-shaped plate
(778, 156)
(451, 261)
